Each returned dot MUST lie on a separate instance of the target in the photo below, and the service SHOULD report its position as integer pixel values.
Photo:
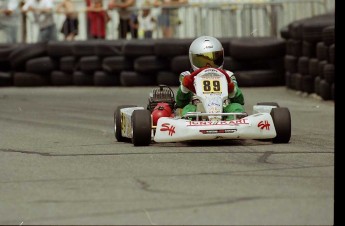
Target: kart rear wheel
(282, 123)
(142, 127)
(269, 104)
(118, 124)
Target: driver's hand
(188, 80)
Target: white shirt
(13, 19)
(146, 23)
(43, 19)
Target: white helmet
(206, 51)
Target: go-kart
(161, 122)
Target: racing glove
(188, 80)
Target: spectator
(9, 19)
(88, 19)
(127, 20)
(168, 19)
(43, 13)
(99, 19)
(146, 20)
(71, 23)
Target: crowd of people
(134, 16)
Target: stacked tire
(257, 61)
(147, 62)
(309, 60)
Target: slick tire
(282, 123)
(142, 127)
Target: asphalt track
(60, 164)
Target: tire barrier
(142, 62)
(310, 59)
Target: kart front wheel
(118, 122)
(142, 127)
(282, 123)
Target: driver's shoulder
(184, 73)
(230, 73)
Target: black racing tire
(303, 65)
(22, 54)
(259, 78)
(41, 65)
(133, 78)
(328, 35)
(102, 78)
(136, 48)
(84, 48)
(313, 67)
(290, 63)
(118, 123)
(142, 127)
(69, 64)
(322, 51)
(298, 81)
(58, 49)
(168, 78)
(6, 79)
(82, 79)
(282, 123)
(307, 84)
(308, 49)
(321, 66)
(106, 48)
(325, 90)
(168, 48)
(150, 64)
(116, 64)
(250, 48)
(328, 73)
(60, 78)
(288, 79)
(275, 104)
(90, 64)
(295, 47)
(317, 81)
(21, 79)
(179, 64)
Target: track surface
(60, 164)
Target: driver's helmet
(206, 51)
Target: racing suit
(184, 97)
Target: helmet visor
(210, 59)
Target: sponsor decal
(205, 131)
(169, 128)
(243, 121)
(264, 125)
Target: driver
(207, 51)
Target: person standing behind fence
(126, 18)
(99, 19)
(43, 13)
(71, 23)
(147, 22)
(9, 19)
(168, 19)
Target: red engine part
(161, 110)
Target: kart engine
(163, 94)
